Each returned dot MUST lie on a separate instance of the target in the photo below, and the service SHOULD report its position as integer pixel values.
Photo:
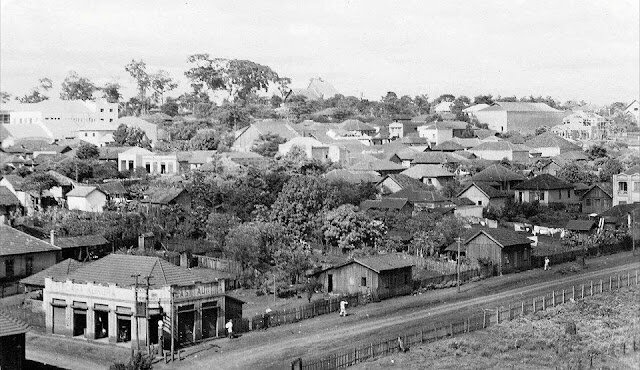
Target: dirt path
(276, 347)
(62, 360)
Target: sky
(570, 50)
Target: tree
(299, 205)
(87, 151)
(283, 87)
(170, 107)
(36, 96)
(161, 82)
(574, 173)
(205, 72)
(346, 228)
(422, 104)
(130, 136)
(39, 182)
(75, 168)
(219, 225)
(111, 92)
(483, 99)
(76, 87)
(105, 170)
(4, 96)
(205, 140)
(138, 71)
(608, 168)
(231, 115)
(244, 77)
(541, 130)
(444, 97)
(267, 145)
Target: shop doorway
(79, 322)
(209, 322)
(59, 320)
(153, 328)
(124, 328)
(186, 326)
(101, 324)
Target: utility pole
(135, 292)
(459, 240)
(274, 289)
(173, 321)
(146, 313)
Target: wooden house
(383, 276)
(582, 228)
(506, 249)
(597, 199)
(484, 195)
(546, 189)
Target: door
(79, 322)
(209, 322)
(329, 283)
(59, 320)
(186, 325)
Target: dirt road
(276, 347)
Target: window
(94, 134)
(568, 193)
(363, 281)
(86, 134)
(636, 186)
(101, 110)
(588, 202)
(622, 187)
(110, 119)
(542, 195)
(8, 268)
(559, 194)
(479, 202)
(110, 109)
(29, 266)
(597, 203)
(429, 181)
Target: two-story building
(129, 303)
(626, 186)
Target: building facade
(626, 186)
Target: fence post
(591, 288)
(562, 296)
(636, 277)
(509, 311)
(628, 274)
(600, 286)
(421, 335)
(618, 287)
(484, 319)
(534, 305)
(544, 306)
(371, 350)
(498, 315)
(610, 283)
(582, 292)
(522, 314)
(573, 292)
(451, 328)
(435, 331)
(553, 298)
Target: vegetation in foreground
(540, 341)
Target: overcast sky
(567, 49)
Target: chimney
(52, 237)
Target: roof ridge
(164, 276)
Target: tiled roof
(14, 242)
(162, 273)
(521, 107)
(467, 142)
(279, 127)
(80, 241)
(111, 152)
(497, 173)
(406, 182)
(384, 203)
(112, 188)
(574, 155)
(355, 125)
(606, 187)
(415, 140)
(7, 198)
(551, 140)
(354, 177)
(484, 133)
(60, 178)
(448, 125)
(16, 181)
(11, 326)
(475, 108)
(436, 158)
(487, 189)
(383, 262)
(515, 138)
(419, 196)
(580, 225)
(82, 191)
(504, 237)
(500, 146)
(544, 182)
(420, 171)
(162, 195)
(406, 153)
(375, 164)
(59, 271)
(449, 146)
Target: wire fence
(478, 321)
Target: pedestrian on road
(546, 264)
(267, 317)
(343, 307)
(229, 327)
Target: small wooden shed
(383, 276)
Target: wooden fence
(303, 312)
(442, 267)
(432, 282)
(218, 264)
(480, 320)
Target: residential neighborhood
(233, 210)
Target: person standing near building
(343, 307)
(546, 263)
(229, 327)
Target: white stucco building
(86, 198)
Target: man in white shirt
(229, 327)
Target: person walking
(546, 264)
(343, 307)
(229, 327)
